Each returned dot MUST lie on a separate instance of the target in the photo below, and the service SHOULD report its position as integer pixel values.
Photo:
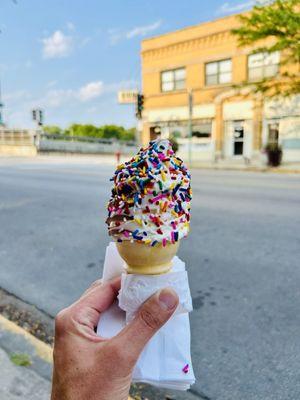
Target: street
(242, 256)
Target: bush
(274, 153)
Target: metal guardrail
(87, 139)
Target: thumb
(152, 315)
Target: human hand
(89, 367)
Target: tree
(53, 129)
(105, 131)
(118, 132)
(84, 131)
(276, 23)
(128, 134)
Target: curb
(246, 169)
(43, 350)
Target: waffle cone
(147, 260)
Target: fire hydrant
(118, 156)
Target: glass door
(273, 133)
(238, 138)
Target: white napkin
(166, 360)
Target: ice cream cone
(147, 260)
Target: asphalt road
(243, 257)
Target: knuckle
(97, 282)
(149, 319)
(60, 321)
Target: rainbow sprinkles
(150, 200)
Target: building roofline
(186, 28)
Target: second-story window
(173, 79)
(263, 65)
(218, 72)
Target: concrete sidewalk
(18, 382)
(23, 382)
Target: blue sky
(70, 57)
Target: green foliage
(83, 130)
(102, 132)
(129, 134)
(174, 143)
(176, 134)
(53, 129)
(20, 359)
(278, 20)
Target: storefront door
(238, 138)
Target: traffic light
(41, 117)
(139, 105)
(38, 116)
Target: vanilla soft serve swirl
(150, 200)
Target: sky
(70, 57)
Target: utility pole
(1, 103)
(1, 107)
(190, 125)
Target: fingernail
(168, 299)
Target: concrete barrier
(17, 142)
(30, 142)
(18, 150)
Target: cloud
(84, 41)
(229, 8)
(58, 101)
(115, 35)
(15, 96)
(90, 91)
(55, 98)
(51, 84)
(57, 45)
(70, 26)
(143, 30)
(92, 110)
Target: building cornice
(188, 45)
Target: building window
(173, 80)
(263, 65)
(202, 130)
(218, 72)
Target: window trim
(262, 67)
(173, 80)
(218, 72)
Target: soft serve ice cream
(150, 200)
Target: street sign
(127, 96)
